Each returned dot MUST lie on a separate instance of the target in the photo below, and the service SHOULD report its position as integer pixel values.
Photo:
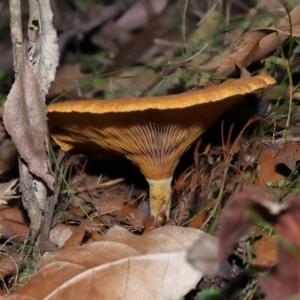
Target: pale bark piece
(123, 266)
(9, 191)
(203, 255)
(43, 45)
(60, 233)
(25, 121)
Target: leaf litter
(138, 259)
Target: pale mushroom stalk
(152, 132)
(160, 196)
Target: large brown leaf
(122, 266)
(25, 121)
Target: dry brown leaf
(132, 216)
(289, 155)
(77, 236)
(258, 191)
(124, 212)
(137, 16)
(111, 37)
(10, 230)
(270, 160)
(270, 42)
(25, 121)
(123, 266)
(9, 264)
(265, 251)
(60, 233)
(13, 214)
(242, 54)
(293, 30)
(267, 4)
(269, 172)
(71, 216)
(198, 221)
(93, 234)
(137, 218)
(267, 44)
(110, 200)
(8, 155)
(67, 77)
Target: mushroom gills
(152, 132)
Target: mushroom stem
(160, 197)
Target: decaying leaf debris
(96, 234)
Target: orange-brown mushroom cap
(152, 132)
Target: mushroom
(152, 132)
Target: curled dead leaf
(25, 120)
(242, 54)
